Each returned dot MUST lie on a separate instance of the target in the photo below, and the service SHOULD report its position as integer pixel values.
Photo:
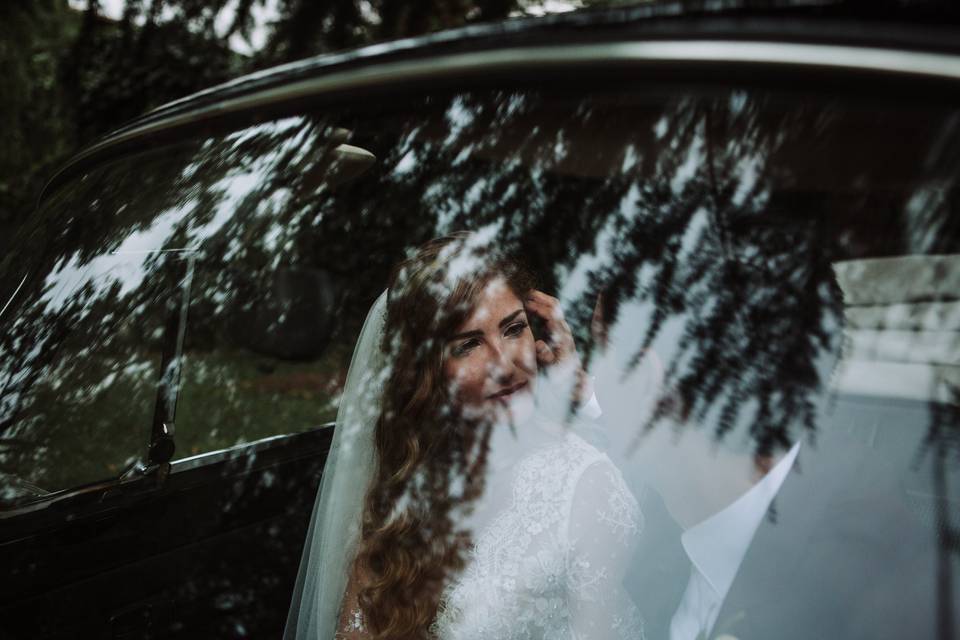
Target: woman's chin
(516, 409)
(522, 407)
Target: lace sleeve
(605, 523)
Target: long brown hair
(430, 459)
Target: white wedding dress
(552, 534)
(548, 560)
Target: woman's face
(490, 362)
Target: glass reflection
(762, 287)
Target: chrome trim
(839, 57)
(256, 446)
(184, 464)
(54, 497)
(10, 301)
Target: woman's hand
(559, 346)
(558, 353)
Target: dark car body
(206, 543)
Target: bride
(451, 505)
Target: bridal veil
(335, 524)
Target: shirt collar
(716, 546)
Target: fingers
(598, 323)
(545, 355)
(561, 348)
(548, 308)
(545, 306)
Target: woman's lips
(508, 391)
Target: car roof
(932, 27)
(927, 26)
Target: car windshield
(763, 288)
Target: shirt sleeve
(605, 523)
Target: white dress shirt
(716, 547)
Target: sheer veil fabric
(335, 524)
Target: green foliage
(36, 131)
(116, 71)
(69, 76)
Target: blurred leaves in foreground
(70, 73)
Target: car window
(228, 300)
(754, 278)
(83, 345)
(89, 353)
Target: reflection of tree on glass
(81, 357)
(481, 515)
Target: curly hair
(430, 458)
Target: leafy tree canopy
(71, 72)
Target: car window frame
(854, 70)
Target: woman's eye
(466, 347)
(516, 328)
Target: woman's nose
(502, 367)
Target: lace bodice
(548, 559)
(550, 565)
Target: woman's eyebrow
(466, 334)
(510, 318)
(477, 332)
